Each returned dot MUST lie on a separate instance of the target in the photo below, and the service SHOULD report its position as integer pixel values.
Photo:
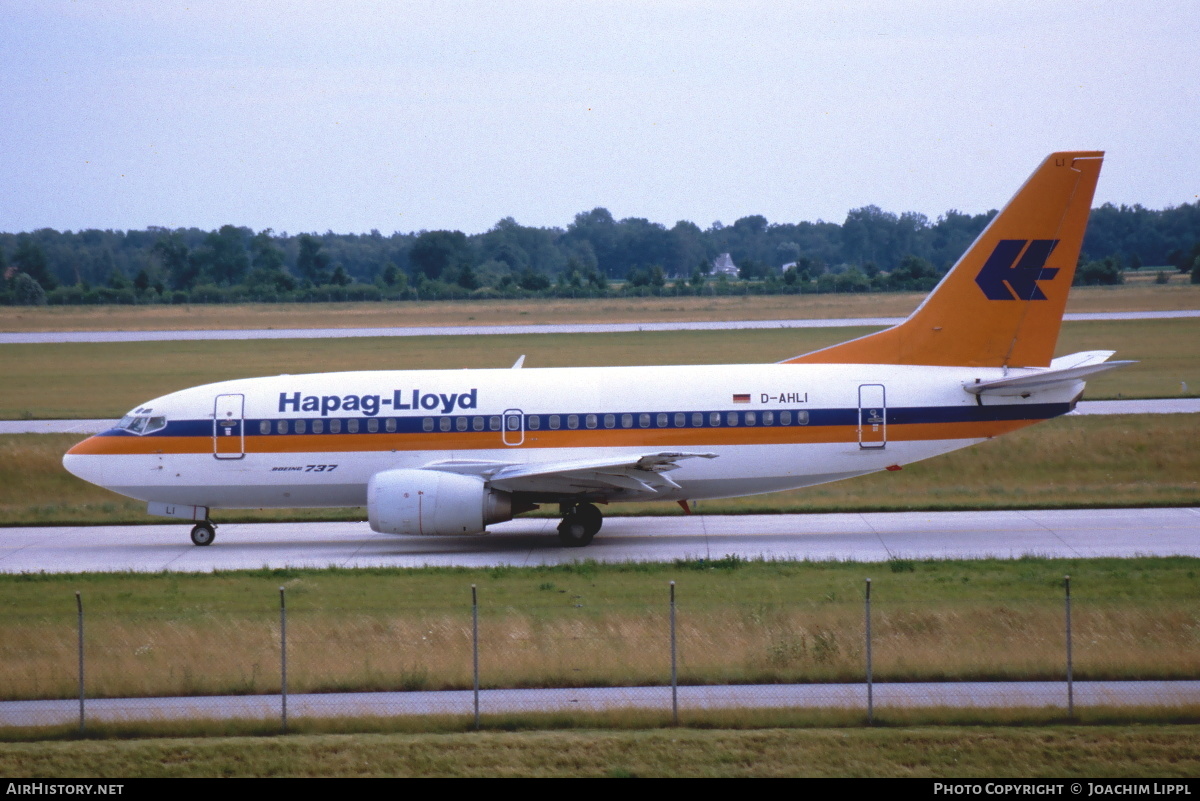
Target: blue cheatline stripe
(912, 415)
(973, 414)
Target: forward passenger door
(229, 435)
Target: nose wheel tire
(203, 534)
(579, 526)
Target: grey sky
(424, 115)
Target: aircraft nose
(84, 461)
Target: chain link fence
(676, 657)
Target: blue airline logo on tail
(1010, 274)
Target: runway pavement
(41, 337)
(875, 537)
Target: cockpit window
(142, 424)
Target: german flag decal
(741, 398)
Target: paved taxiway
(859, 537)
(1035, 694)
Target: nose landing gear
(204, 533)
(579, 524)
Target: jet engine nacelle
(425, 502)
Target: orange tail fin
(1002, 304)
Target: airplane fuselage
(316, 440)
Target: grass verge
(1080, 752)
(1137, 295)
(586, 624)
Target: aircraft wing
(1065, 369)
(629, 477)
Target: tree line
(595, 255)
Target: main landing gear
(579, 524)
(203, 533)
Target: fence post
(674, 665)
(1070, 665)
(283, 686)
(870, 681)
(475, 648)
(79, 607)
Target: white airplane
(435, 452)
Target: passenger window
(335, 426)
(751, 419)
(785, 418)
(610, 420)
(697, 419)
(731, 419)
(801, 418)
(662, 421)
(372, 426)
(461, 424)
(572, 421)
(426, 424)
(627, 421)
(390, 425)
(301, 427)
(513, 422)
(264, 427)
(352, 426)
(590, 421)
(554, 421)
(680, 419)
(318, 426)
(535, 422)
(444, 423)
(494, 423)
(714, 418)
(643, 421)
(477, 423)
(281, 427)
(768, 418)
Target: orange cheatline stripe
(583, 438)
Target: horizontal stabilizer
(1066, 369)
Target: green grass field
(1079, 752)
(354, 626)
(585, 624)
(1139, 294)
